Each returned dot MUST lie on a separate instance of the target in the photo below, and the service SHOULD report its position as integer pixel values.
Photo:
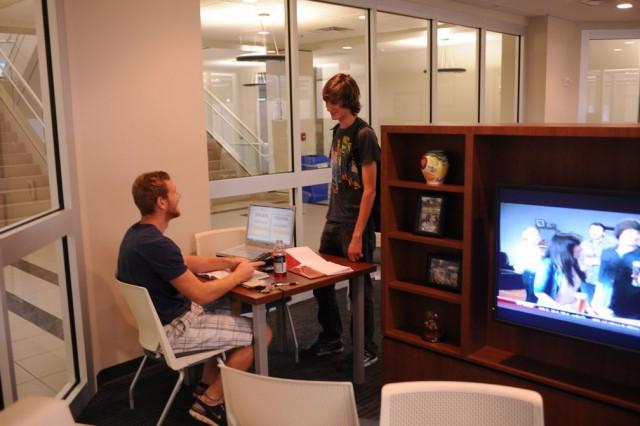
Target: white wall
(563, 71)
(535, 70)
(135, 77)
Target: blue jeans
(335, 240)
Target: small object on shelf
(434, 165)
(444, 272)
(429, 214)
(279, 260)
(431, 331)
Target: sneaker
(200, 388)
(369, 358)
(324, 347)
(214, 415)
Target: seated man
(196, 315)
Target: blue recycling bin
(319, 192)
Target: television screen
(568, 262)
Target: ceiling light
(617, 49)
(362, 17)
(263, 32)
(347, 47)
(629, 42)
(624, 5)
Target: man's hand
(354, 251)
(234, 261)
(244, 270)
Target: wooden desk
(258, 302)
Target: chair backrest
(151, 334)
(37, 411)
(458, 404)
(210, 242)
(252, 399)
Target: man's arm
(197, 264)
(369, 173)
(206, 292)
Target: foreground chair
(154, 342)
(251, 399)
(208, 243)
(37, 411)
(459, 404)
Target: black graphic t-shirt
(346, 182)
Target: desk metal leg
(358, 332)
(259, 340)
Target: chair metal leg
(293, 333)
(281, 335)
(133, 383)
(176, 388)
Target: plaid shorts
(209, 327)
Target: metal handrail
(252, 145)
(232, 114)
(26, 85)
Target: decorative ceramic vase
(434, 165)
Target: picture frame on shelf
(444, 272)
(430, 214)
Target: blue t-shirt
(148, 258)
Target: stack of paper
(311, 265)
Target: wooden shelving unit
(601, 382)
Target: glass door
(42, 342)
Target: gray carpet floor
(110, 404)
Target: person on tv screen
(527, 257)
(619, 284)
(559, 276)
(592, 250)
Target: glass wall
(42, 338)
(39, 326)
(230, 212)
(501, 78)
(403, 68)
(457, 74)
(332, 39)
(28, 184)
(613, 81)
(245, 88)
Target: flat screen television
(568, 262)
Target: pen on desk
(283, 284)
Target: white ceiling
(572, 10)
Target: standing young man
(349, 230)
(196, 315)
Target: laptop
(266, 224)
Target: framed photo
(444, 272)
(429, 214)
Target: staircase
(234, 149)
(24, 186)
(221, 164)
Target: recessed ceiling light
(248, 1)
(362, 17)
(624, 5)
(347, 47)
(617, 49)
(263, 32)
(629, 42)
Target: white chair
(208, 243)
(37, 411)
(154, 342)
(252, 399)
(459, 404)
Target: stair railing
(255, 160)
(12, 75)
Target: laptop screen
(268, 223)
